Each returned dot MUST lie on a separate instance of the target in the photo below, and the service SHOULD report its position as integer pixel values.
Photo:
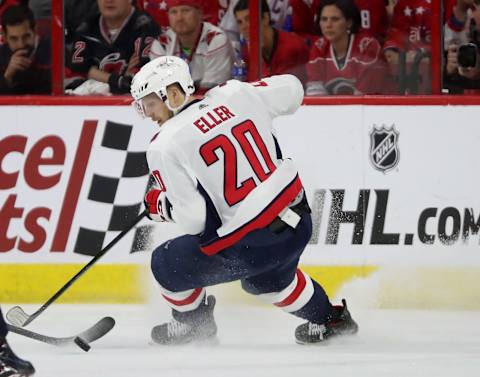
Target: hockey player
(222, 179)
(10, 364)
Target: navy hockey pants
(265, 262)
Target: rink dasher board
(391, 187)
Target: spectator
(109, 48)
(25, 57)
(462, 39)
(282, 52)
(373, 17)
(459, 16)
(410, 35)
(288, 15)
(157, 9)
(4, 4)
(202, 45)
(344, 60)
(213, 10)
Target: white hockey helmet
(156, 76)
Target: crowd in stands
(335, 47)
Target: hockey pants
(265, 262)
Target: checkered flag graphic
(108, 192)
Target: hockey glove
(158, 206)
(119, 84)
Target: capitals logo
(384, 152)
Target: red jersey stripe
(261, 221)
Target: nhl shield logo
(384, 152)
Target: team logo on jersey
(210, 35)
(384, 153)
(113, 64)
(341, 86)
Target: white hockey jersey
(211, 60)
(217, 160)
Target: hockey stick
(18, 317)
(82, 340)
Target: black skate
(11, 365)
(339, 323)
(196, 326)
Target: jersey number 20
(233, 191)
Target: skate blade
(329, 340)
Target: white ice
(257, 340)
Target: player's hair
(17, 14)
(349, 10)
(243, 5)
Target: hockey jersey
(217, 160)
(411, 26)
(94, 47)
(363, 72)
(373, 17)
(211, 59)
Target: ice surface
(258, 341)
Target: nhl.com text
(431, 226)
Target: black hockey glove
(119, 84)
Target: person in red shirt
(282, 52)
(345, 60)
(214, 10)
(410, 34)
(373, 17)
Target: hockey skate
(339, 323)
(11, 365)
(196, 326)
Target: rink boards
(394, 193)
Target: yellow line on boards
(103, 283)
